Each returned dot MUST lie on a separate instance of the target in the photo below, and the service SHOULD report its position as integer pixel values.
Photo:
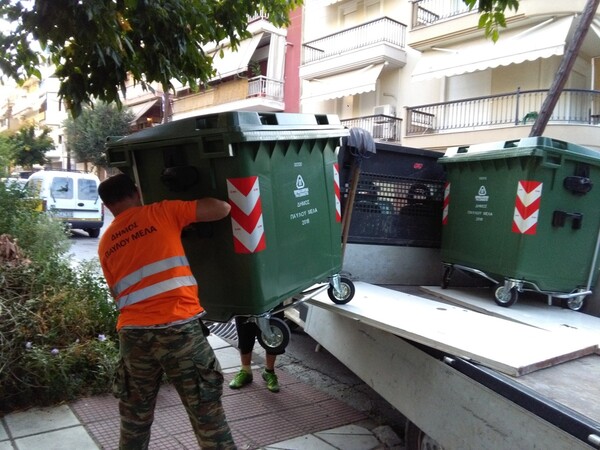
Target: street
(83, 247)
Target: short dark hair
(116, 188)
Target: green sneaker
(241, 379)
(271, 380)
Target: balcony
(428, 12)
(262, 86)
(258, 93)
(381, 127)
(503, 116)
(443, 23)
(516, 108)
(381, 41)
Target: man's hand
(209, 209)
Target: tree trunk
(166, 104)
(564, 69)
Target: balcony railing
(381, 127)
(262, 86)
(236, 90)
(577, 106)
(384, 30)
(427, 12)
(261, 15)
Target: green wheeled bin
(524, 214)
(279, 172)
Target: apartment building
(421, 73)
(36, 102)
(250, 78)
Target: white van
(71, 197)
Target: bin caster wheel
(448, 271)
(505, 297)
(574, 303)
(345, 294)
(280, 335)
(417, 439)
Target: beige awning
(343, 84)
(141, 109)
(234, 62)
(514, 46)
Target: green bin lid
(235, 126)
(530, 146)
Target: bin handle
(551, 160)
(559, 218)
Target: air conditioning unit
(384, 110)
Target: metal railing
(427, 12)
(384, 30)
(578, 106)
(381, 127)
(260, 15)
(262, 86)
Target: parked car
(71, 197)
(14, 182)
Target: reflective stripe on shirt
(155, 289)
(146, 271)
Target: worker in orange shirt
(159, 326)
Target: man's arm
(209, 209)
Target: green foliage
(57, 322)
(38, 235)
(86, 135)
(6, 155)
(492, 16)
(57, 339)
(30, 145)
(95, 45)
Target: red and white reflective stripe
(527, 207)
(446, 203)
(246, 215)
(336, 188)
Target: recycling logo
(301, 189)
(482, 195)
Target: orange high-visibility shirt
(145, 266)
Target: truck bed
(468, 378)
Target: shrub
(37, 234)
(57, 322)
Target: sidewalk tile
(37, 420)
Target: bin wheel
(417, 439)
(347, 291)
(574, 303)
(93, 232)
(505, 297)
(448, 271)
(280, 335)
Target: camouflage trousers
(185, 356)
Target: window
(87, 189)
(62, 187)
(358, 12)
(35, 186)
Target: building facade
(421, 73)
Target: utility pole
(564, 69)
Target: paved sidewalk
(298, 417)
